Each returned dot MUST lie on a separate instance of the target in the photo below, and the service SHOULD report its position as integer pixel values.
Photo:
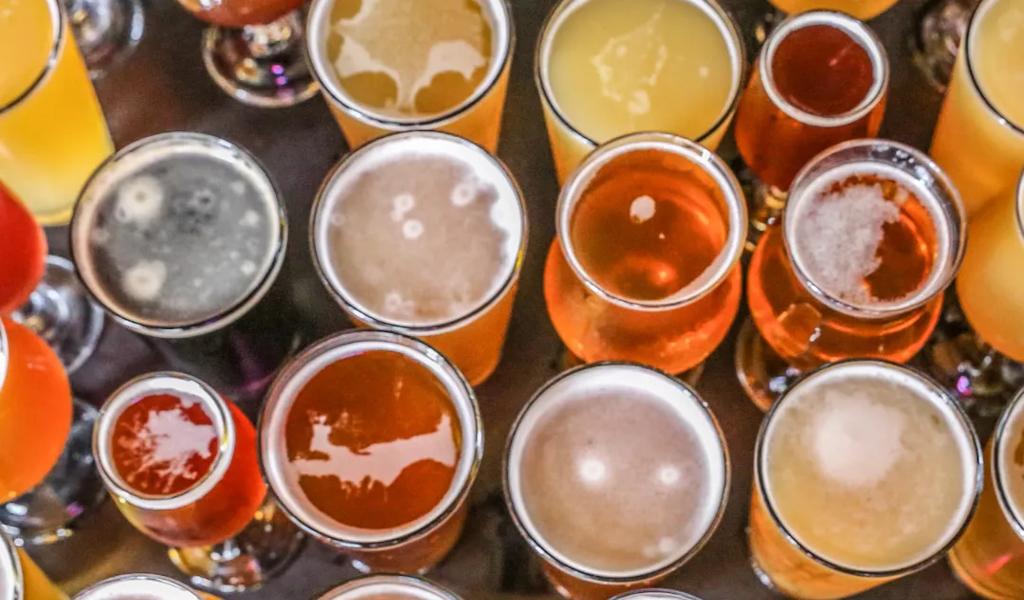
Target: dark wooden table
(163, 86)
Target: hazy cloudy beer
(644, 268)
(616, 474)
(388, 587)
(865, 471)
(989, 558)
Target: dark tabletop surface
(163, 87)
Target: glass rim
(863, 35)
(1019, 213)
(59, 34)
(340, 346)
(5, 354)
(655, 594)
(723, 21)
(332, 282)
(420, 584)
(1014, 516)
(972, 26)
(700, 157)
(553, 558)
(130, 580)
(227, 315)
(948, 213)
(958, 420)
(163, 382)
(501, 20)
(12, 577)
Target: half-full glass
(393, 587)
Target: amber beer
(371, 441)
(645, 265)
(616, 474)
(872, 234)
(989, 558)
(865, 471)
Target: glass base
(941, 25)
(247, 561)
(763, 374)
(261, 65)
(567, 360)
(106, 30)
(61, 313)
(47, 513)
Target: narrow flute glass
(372, 441)
(20, 578)
(645, 265)
(391, 210)
(864, 472)
(979, 138)
(52, 130)
(989, 558)
(606, 68)
(616, 474)
(392, 587)
(391, 66)
(136, 585)
(872, 234)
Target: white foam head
(277, 409)
(189, 390)
(11, 583)
(667, 394)
(138, 587)
(380, 286)
(388, 586)
(653, 594)
(1007, 467)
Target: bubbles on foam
(464, 192)
(144, 280)
(401, 205)
(140, 200)
(642, 209)
(248, 268)
(412, 229)
(251, 218)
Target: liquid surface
(1011, 462)
(164, 444)
(23, 252)
(998, 57)
(822, 70)
(373, 441)
(409, 58)
(649, 224)
(179, 235)
(605, 501)
(866, 471)
(26, 32)
(644, 65)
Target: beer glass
(606, 68)
(372, 441)
(396, 587)
(392, 66)
(940, 28)
(645, 266)
(390, 210)
(20, 578)
(616, 474)
(864, 472)
(859, 9)
(655, 594)
(181, 462)
(989, 556)
(872, 234)
(979, 138)
(180, 237)
(821, 78)
(130, 587)
(52, 131)
(107, 31)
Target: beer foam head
(10, 570)
(177, 231)
(388, 587)
(4, 354)
(655, 595)
(1008, 463)
(138, 587)
(418, 230)
(279, 469)
(594, 499)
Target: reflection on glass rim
(58, 26)
(129, 587)
(1009, 429)
(10, 570)
(388, 586)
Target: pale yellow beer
(990, 285)
(979, 138)
(865, 471)
(989, 558)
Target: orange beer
(644, 268)
(20, 578)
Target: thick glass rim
(318, 234)
(340, 346)
(948, 213)
(501, 22)
(959, 417)
(12, 582)
(655, 594)
(1012, 415)
(130, 583)
(553, 558)
(163, 382)
(972, 28)
(5, 354)
(712, 165)
(229, 314)
(424, 589)
(723, 20)
(860, 33)
(58, 25)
